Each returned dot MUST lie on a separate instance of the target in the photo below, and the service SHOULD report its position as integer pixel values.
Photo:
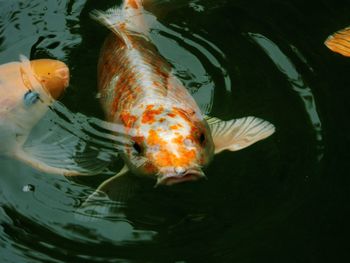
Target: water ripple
(284, 64)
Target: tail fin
(130, 18)
(132, 4)
(339, 42)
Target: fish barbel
(172, 141)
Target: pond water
(280, 200)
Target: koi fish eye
(137, 147)
(202, 138)
(30, 98)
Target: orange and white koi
(339, 42)
(172, 141)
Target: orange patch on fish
(148, 117)
(178, 140)
(128, 119)
(175, 126)
(165, 158)
(154, 139)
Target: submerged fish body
(171, 139)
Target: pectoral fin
(112, 193)
(40, 165)
(110, 185)
(237, 134)
(56, 159)
(58, 145)
(55, 150)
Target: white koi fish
(172, 141)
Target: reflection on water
(296, 81)
(46, 28)
(193, 59)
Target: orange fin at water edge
(339, 42)
(135, 4)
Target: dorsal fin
(113, 19)
(124, 20)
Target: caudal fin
(339, 42)
(129, 18)
(133, 4)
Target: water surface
(280, 200)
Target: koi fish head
(52, 74)
(27, 88)
(173, 145)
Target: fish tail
(339, 42)
(129, 18)
(133, 4)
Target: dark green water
(284, 199)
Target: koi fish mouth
(189, 175)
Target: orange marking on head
(128, 119)
(178, 140)
(165, 158)
(149, 115)
(172, 115)
(154, 139)
(187, 156)
(175, 126)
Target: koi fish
(27, 90)
(339, 42)
(171, 140)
